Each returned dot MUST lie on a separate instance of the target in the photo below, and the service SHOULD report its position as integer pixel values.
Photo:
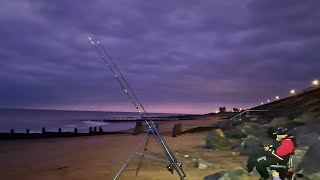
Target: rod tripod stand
(173, 164)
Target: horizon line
(77, 110)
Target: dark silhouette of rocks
(307, 135)
(214, 141)
(299, 113)
(235, 133)
(252, 146)
(310, 162)
(215, 176)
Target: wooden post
(75, 130)
(138, 128)
(12, 131)
(90, 129)
(28, 131)
(59, 130)
(43, 130)
(177, 130)
(100, 130)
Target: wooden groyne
(93, 131)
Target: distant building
(235, 110)
(222, 109)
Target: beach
(101, 157)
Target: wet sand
(101, 157)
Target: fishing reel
(171, 168)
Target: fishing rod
(174, 165)
(124, 79)
(117, 74)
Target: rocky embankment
(300, 114)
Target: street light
(277, 97)
(268, 100)
(262, 103)
(315, 83)
(293, 92)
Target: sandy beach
(100, 157)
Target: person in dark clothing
(276, 154)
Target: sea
(52, 120)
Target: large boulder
(242, 131)
(297, 157)
(215, 176)
(201, 164)
(315, 176)
(250, 128)
(307, 139)
(307, 135)
(237, 173)
(222, 124)
(310, 162)
(219, 133)
(215, 142)
(235, 133)
(251, 146)
(255, 129)
(307, 117)
(278, 122)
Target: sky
(179, 56)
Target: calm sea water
(21, 119)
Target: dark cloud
(179, 56)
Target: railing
(247, 111)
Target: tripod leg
(145, 148)
(176, 166)
(122, 168)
